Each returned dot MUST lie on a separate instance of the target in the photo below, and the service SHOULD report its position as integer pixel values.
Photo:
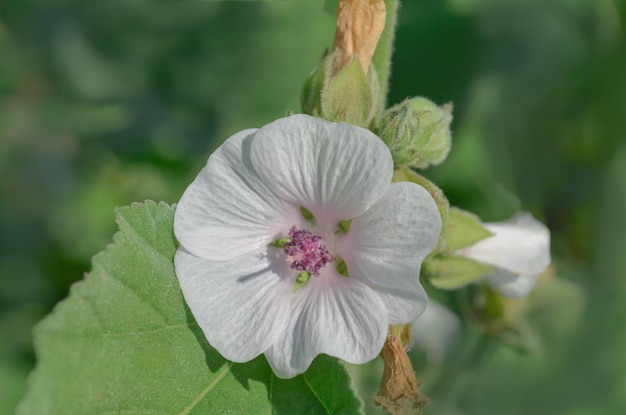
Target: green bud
(417, 131)
(493, 313)
(346, 94)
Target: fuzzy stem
(384, 50)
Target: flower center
(306, 252)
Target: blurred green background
(106, 103)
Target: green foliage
(124, 341)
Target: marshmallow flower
(519, 250)
(272, 206)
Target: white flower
(519, 249)
(434, 331)
(238, 273)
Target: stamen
(306, 252)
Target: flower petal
(242, 305)
(435, 330)
(520, 246)
(512, 285)
(228, 210)
(334, 315)
(335, 170)
(385, 248)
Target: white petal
(434, 331)
(405, 307)
(335, 170)
(512, 285)
(385, 248)
(228, 210)
(520, 245)
(331, 314)
(241, 305)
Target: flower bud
(344, 93)
(417, 131)
(344, 86)
(360, 24)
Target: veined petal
(331, 314)
(405, 307)
(242, 305)
(335, 170)
(228, 210)
(512, 285)
(385, 248)
(520, 246)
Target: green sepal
(311, 98)
(350, 95)
(345, 94)
(405, 174)
(301, 279)
(450, 272)
(464, 229)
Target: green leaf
(464, 229)
(125, 342)
(451, 272)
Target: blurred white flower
(519, 250)
(269, 208)
(434, 331)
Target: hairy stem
(384, 50)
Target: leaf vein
(148, 245)
(206, 390)
(134, 293)
(316, 395)
(104, 333)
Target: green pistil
(344, 225)
(306, 214)
(301, 279)
(342, 267)
(280, 243)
